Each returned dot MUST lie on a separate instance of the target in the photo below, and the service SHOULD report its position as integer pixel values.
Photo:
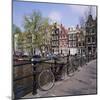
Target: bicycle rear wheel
(71, 69)
(46, 80)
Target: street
(83, 82)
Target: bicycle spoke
(46, 80)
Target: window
(56, 37)
(87, 30)
(94, 49)
(83, 44)
(57, 31)
(93, 30)
(62, 42)
(89, 40)
(74, 44)
(89, 49)
(70, 37)
(93, 39)
(53, 43)
(70, 44)
(61, 36)
(74, 36)
(79, 44)
(52, 32)
(53, 50)
(64, 35)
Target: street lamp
(34, 69)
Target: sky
(66, 14)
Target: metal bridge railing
(25, 72)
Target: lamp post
(34, 71)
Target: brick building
(91, 37)
(81, 40)
(55, 39)
(72, 41)
(63, 40)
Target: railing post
(55, 69)
(67, 64)
(34, 79)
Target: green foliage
(16, 32)
(37, 28)
(15, 29)
(36, 34)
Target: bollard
(34, 79)
(67, 64)
(81, 61)
(55, 69)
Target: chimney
(77, 27)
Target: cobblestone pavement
(83, 82)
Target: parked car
(36, 58)
(52, 56)
(60, 55)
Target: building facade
(63, 40)
(81, 40)
(72, 41)
(91, 37)
(55, 39)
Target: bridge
(83, 80)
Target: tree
(84, 18)
(82, 22)
(36, 27)
(15, 30)
(88, 26)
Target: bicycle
(46, 80)
(83, 60)
(47, 77)
(72, 66)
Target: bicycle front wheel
(46, 80)
(71, 69)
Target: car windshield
(36, 56)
